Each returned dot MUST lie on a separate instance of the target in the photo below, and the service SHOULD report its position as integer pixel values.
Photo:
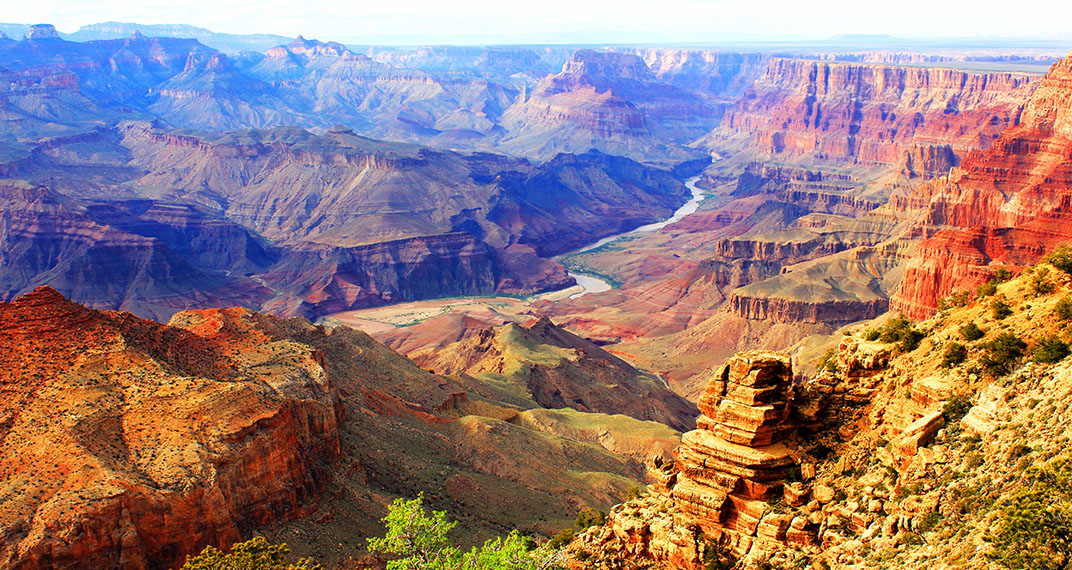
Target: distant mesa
(42, 32)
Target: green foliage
(958, 299)
(564, 537)
(1001, 275)
(1061, 259)
(589, 517)
(954, 354)
(1040, 282)
(900, 330)
(1035, 526)
(871, 334)
(254, 554)
(971, 332)
(928, 522)
(1063, 309)
(999, 308)
(987, 289)
(715, 558)
(1049, 349)
(420, 542)
(956, 408)
(1002, 353)
(828, 362)
(634, 492)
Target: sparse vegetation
(999, 308)
(971, 332)
(1002, 354)
(956, 408)
(1063, 309)
(901, 331)
(1034, 529)
(829, 362)
(987, 289)
(1061, 259)
(955, 353)
(1049, 349)
(1040, 282)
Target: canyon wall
(1006, 204)
(871, 114)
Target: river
(595, 284)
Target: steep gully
(593, 283)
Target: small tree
(955, 353)
(1040, 282)
(1063, 309)
(420, 542)
(971, 332)
(1002, 353)
(254, 554)
(999, 308)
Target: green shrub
(1049, 349)
(958, 299)
(1061, 259)
(986, 289)
(956, 408)
(564, 537)
(900, 330)
(955, 353)
(1063, 309)
(590, 517)
(871, 334)
(971, 332)
(254, 554)
(1033, 528)
(928, 522)
(1040, 282)
(999, 308)
(1002, 354)
(829, 362)
(635, 492)
(1001, 275)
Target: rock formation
(1003, 205)
(129, 443)
(727, 473)
(869, 113)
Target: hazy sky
(666, 20)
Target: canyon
(254, 285)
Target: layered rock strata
(1008, 204)
(716, 496)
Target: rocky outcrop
(782, 310)
(1006, 204)
(869, 113)
(716, 497)
(106, 434)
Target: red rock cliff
(1007, 204)
(872, 113)
(131, 444)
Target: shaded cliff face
(1003, 205)
(871, 114)
(297, 223)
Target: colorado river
(593, 283)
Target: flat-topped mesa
(737, 459)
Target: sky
(537, 21)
